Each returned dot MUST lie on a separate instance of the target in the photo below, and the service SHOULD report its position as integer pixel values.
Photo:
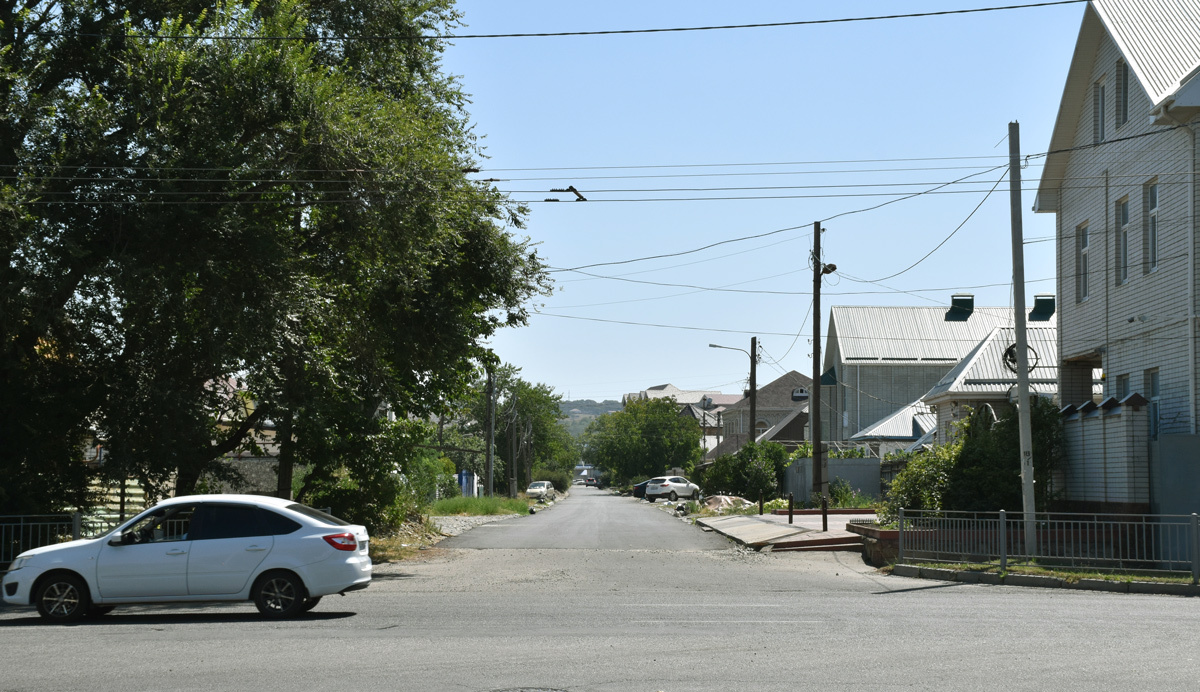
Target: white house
(1121, 179)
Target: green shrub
(922, 484)
(561, 480)
(844, 496)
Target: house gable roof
(1158, 39)
(907, 335)
(909, 423)
(982, 372)
(777, 394)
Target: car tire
(279, 595)
(62, 597)
(674, 497)
(650, 499)
(99, 611)
(309, 604)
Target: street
(607, 593)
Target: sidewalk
(773, 532)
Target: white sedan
(282, 555)
(540, 490)
(672, 488)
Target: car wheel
(279, 595)
(62, 597)
(673, 496)
(650, 498)
(309, 604)
(99, 611)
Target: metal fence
(19, 533)
(1135, 542)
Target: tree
(645, 439)
(755, 469)
(202, 235)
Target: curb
(1045, 582)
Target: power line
(604, 32)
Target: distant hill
(581, 412)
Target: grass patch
(403, 543)
(480, 506)
(1067, 574)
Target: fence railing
(1141, 542)
(19, 533)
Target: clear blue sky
(821, 108)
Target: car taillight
(342, 541)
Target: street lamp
(753, 384)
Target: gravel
(454, 525)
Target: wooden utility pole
(1023, 417)
(491, 426)
(753, 388)
(820, 481)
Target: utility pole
(1023, 417)
(753, 387)
(491, 426)
(820, 482)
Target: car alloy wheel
(279, 595)
(674, 497)
(62, 598)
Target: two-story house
(1121, 179)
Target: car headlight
(18, 563)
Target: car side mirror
(120, 538)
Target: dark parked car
(639, 490)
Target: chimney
(1043, 307)
(961, 307)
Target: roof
(914, 335)
(776, 394)
(1158, 39)
(909, 423)
(774, 430)
(681, 396)
(982, 372)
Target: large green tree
(224, 217)
(644, 439)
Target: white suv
(672, 488)
(282, 555)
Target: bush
(756, 468)
(922, 484)
(561, 480)
(844, 496)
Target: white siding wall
(1143, 322)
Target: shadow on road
(121, 617)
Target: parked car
(639, 489)
(672, 488)
(591, 481)
(282, 555)
(540, 490)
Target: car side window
(161, 526)
(227, 521)
(275, 524)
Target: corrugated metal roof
(1160, 41)
(909, 423)
(910, 334)
(982, 371)
(1159, 38)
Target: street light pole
(752, 353)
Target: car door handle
(255, 549)
(177, 551)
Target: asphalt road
(512, 609)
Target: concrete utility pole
(1018, 253)
(820, 484)
(491, 426)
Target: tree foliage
(755, 469)
(204, 235)
(644, 439)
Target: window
(1081, 263)
(1122, 214)
(1150, 228)
(1122, 93)
(761, 427)
(1153, 393)
(1098, 112)
(161, 525)
(1122, 387)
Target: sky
(682, 140)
